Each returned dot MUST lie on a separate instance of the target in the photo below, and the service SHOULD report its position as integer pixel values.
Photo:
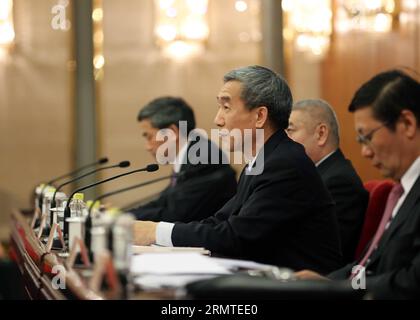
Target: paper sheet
(175, 263)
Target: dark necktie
(173, 179)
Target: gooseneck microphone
(88, 224)
(122, 164)
(143, 184)
(50, 182)
(148, 168)
(99, 162)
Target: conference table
(48, 275)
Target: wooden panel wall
(354, 58)
(35, 109)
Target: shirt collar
(411, 175)
(250, 163)
(324, 158)
(180, 157)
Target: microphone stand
(67, 213)
(88, 224)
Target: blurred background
(74, 73)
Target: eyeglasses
(367, 138)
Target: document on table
(154, 281)
(161, 249)
(236, 264)
(177, 269)
(176, 263)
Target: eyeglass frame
(366, 139)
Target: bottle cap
(79, 196)
(49, 190)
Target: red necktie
(393, 197)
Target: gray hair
(262, 87)
(320, 111)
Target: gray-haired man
(282, 216)
(313, 123)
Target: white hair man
(313, 123)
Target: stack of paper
(175, 263)
(176, 269)
(153, 281)
(173, 270)
(160, 249)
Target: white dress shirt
(407, 182)
(164, 229)
(182, 156)
(324, 158)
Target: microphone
(50, 182)
(148, 168)
(122, 164)
(99, 162)
(143, 184)
(106, 195)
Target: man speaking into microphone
(197, 189)
(282, 213)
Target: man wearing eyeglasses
(387, 121)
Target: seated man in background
(202, 188)
(282, 213)
(313, 123)
(387, 121)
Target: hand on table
(144, 233)
(309, 275)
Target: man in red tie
(387, 120)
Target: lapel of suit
(326, 164)
(401, 217)
(246, 179)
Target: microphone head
(124, 164)
(103, 160)
(152, 167)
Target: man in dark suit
(282, 213)
(199, 187)
(387, 120)
(313, 124)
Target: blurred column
(85, 109)
(272, 30)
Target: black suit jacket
(350, 197)
(283, 216)
(200, 190)
(393, 271)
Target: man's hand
(309, 275)
(144, 233)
